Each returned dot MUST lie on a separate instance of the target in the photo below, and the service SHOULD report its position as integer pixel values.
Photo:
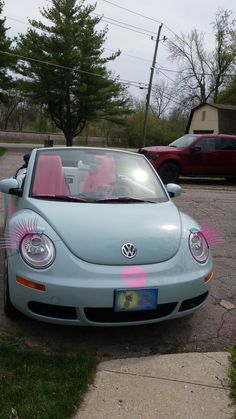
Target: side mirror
(10, 186)
(173, 189)
(196, 148)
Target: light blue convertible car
(93, 238)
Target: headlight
(199, 247)
(37, 250)
(152, 156)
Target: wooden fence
(48, 139)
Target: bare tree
(162, 98)
(224, 57)
(203, 73)
(189, 52)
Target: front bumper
(80, 293)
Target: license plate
(135, 299)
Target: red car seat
(102, 175)
(49, 177)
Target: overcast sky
(179, 16)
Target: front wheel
(169, 172)
(9, 309)
(230, 180)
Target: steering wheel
(121, 188)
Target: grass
(233, 374)
(2, 151)
(37, 385)
(49, 386)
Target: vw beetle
(92, 237)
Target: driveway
(212, 328)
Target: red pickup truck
(194, 155)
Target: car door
(203, 156)
(226, 151)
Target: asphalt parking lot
(212, 328)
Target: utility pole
(150, 85)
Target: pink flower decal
(17, 231)
(134, 276)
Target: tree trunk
(69, 139)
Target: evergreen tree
(6, 60)
(65, 71)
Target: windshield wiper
(125, 199)
(64, 198)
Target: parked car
(194, 155)
(93, 238)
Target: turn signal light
(208, 277)
(30, 284)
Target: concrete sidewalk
(179, 386)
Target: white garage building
(212, 119)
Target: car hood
(161, 149)
(96, 232)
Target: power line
(145, 17)
(108, 49)
(129, 55)
(125, 27)
(169, 97)
(168, 70)
(173, 81)
(181, 39)
(16, 20)
(106, 19)
(190, 74)
(124, 23)
(132, 81)
(169, 29)
(131, 11)
(140, 85)
(122, 81)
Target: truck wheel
(230, 180)
(9, 309)
(169, 172)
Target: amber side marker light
(30, 284)
(208, 277)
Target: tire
(9, 309)
(169, 172)
(231, 180)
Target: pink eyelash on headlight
(211, 234)
(18, 230)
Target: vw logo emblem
(128, 250)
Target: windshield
(184, 141)
(94, 175)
